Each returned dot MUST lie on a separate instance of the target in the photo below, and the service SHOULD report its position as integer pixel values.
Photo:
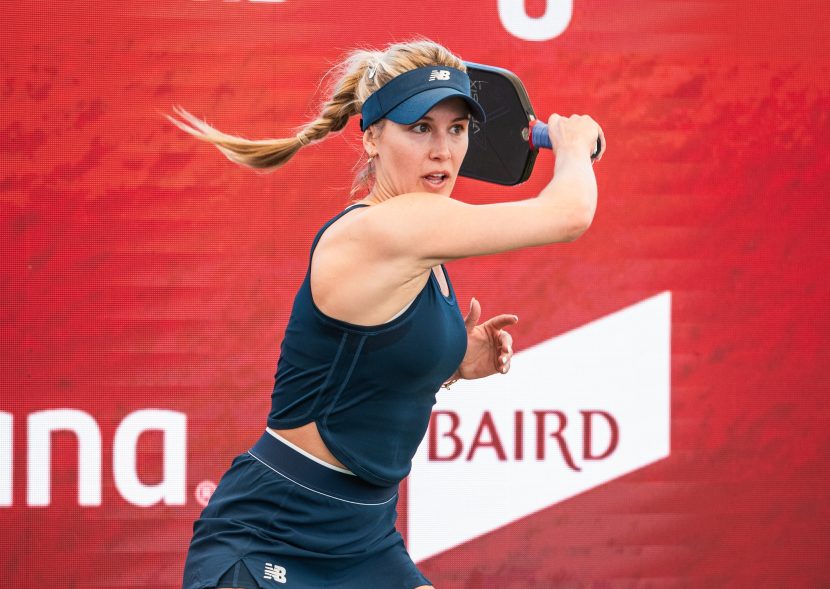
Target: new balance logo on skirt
(274, 572)
(439, 75)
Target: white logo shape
(275, 572)
(439, 75)
(42, 424)
(573, 413)
(514, 17)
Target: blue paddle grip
(540, 138)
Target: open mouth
(436, 179)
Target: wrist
(571, 153)
(456, 376)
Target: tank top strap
(328, 224)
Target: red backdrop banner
(146, 281)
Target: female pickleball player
(312, 503)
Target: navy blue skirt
(279, 519)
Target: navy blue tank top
(369, 389)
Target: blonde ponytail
(262, 153)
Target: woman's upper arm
(435, 229)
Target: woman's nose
(440, 148)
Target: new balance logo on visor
(274, 572)
(439, 75)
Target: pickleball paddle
(503, 150)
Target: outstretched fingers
(505, 351)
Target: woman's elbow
(578, 223)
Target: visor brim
(415, 107)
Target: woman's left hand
(489, 347)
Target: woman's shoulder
(341, 226)
(355, 280)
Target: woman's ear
(370, 137)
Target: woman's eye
(459, 129)
(420, 128)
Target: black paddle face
(499, 151)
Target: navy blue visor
(409, 96)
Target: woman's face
(422, 157)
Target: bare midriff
(307, 437)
